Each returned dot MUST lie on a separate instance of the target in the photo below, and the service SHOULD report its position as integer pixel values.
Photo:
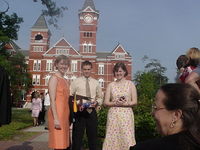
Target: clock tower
(88, 20)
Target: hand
(121, 100)
(57, 124)
(81, 107)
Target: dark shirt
(179, 141)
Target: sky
(159, 29)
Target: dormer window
(62, 51)
(119, 56)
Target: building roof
(40, 23)
(102, 54)
(12, 46)
(15, 46)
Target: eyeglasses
(155, 108)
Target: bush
(145, 127)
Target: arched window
(38, 37)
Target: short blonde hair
(61, 57)
(193, 53)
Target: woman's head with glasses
(177, 108)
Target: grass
(21, 118)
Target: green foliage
(154, 66)
(102, 119)
(147, 84)
(144, 123)
(15, 65)
(21, 118)
(20, 79)
(53, 11)
(9, 26)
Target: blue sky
(160, 29)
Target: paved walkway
(39, 142)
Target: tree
(157, 69)
(15, 64)
(9, 26)
(20, 78)
(147, 83)
(52, 11)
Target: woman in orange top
(59, 109)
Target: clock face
(88, 19)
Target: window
(87, 48)
(62, 51)
(37, 65)
(36, 80)
(49, 65)
(101, 69)
(101, 82)
(90, 48)
(84, 48)
(120, 56)
(37, 48)
(74, 66)
(87, 34)
(39, 38)
(47, 79)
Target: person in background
(36, 107)
(176, 111)
(193, 78)
(58, 113)
(120, 97)
(46, 105)
(86, 117)
(193, 55)
(42, 113)
(5, 97)
(181, 63)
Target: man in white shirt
(86, 117)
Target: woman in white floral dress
(120, 96)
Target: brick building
(41, 55)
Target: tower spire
(40, 23)
(89, 3)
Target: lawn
(21, 118)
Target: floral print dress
(120, 134)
